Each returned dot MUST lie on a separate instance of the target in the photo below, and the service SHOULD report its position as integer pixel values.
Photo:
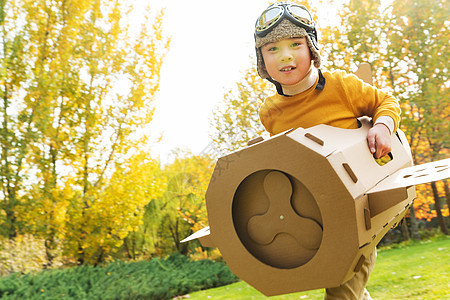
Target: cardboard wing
(303, 209)
(403, 178)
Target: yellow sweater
(344, 98)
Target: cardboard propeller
(303, 209)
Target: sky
(212, 44)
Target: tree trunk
(405, 231)
(437, 207)
(80, 259)
(49, 244)
(414, 226)
(447, 196)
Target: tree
(15, 130)
(117, 214)
(181, 209)
(77, 94)
(356, 40)
(235, 120)
(420, 32)
(405, 43)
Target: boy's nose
(286, 57)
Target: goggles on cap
(272, 16)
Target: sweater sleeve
(367, 100)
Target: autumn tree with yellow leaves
(77, 87)
(424, 28)
(235, 120)
(406, 42)
(182, 207)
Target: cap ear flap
(260, 65)
(314, 51)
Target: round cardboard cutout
(277, 219)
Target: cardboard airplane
(303, 209)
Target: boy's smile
(287, 61)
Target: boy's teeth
(287, 69)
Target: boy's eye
(272, 49)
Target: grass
(412, 270)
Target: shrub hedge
(155, 279)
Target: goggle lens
(268, 18)
(300, 14)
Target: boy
(287, 56)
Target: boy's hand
(379, 140)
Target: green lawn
(409, 271)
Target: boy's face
(287, 61)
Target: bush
(157, 279)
